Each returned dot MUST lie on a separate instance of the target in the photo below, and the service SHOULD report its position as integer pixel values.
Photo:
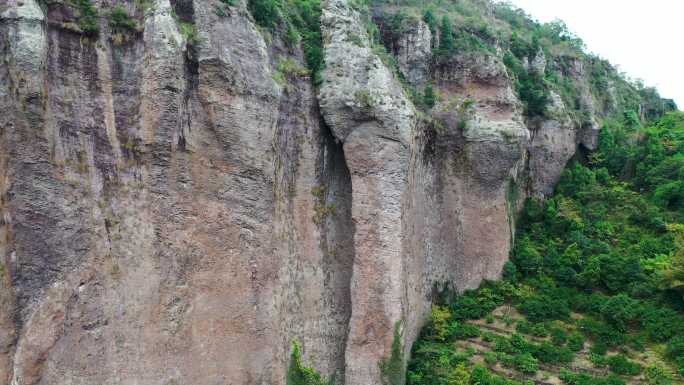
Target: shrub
(619, 364)
(601, 332)
(266, 13)
(429, 96)
(120, 20)
(656, 375)
(571, 378)
(476, 304)
(88, 17)
(524, 327)
(558, 336)
(526, 363)
(490, 358)
(675, 348)
(545, 308)
(440, 319)
(392, 368)
(431, 21)
(459, 375)
(599, 348)
(298, 374)
(462, 330)
(539, 330)
(575, 342)
(550, 354)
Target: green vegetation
(530, 85)
(121, 24)
(189, 32)
(298, 374)
(446, 38)
(595, 276)
(222, 9)
(88, 17)
(300, 21)
(392, 369)
(467, 27)
(119, 19)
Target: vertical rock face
(161, 205)
(171, 214)
(366, 109)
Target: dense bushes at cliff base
(598, 263)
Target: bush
(599, 349)
(429, 96)
(619, 364)
(530, 86)
(298, 374)
(526, 363)
(476, 304)
(571, 378)
(120, 20)
(620, 311)
(602, 333)
(545, 308)
(575, 342)
(462, 330)
(440, 319)
(656, 375)
(490, 358)
(675, 348)
(459, 375)
(551, 354)
(88, 17)
(558, 336)
(392, 368)
(266, 13)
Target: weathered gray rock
(414, 53)
(366, 109)
(554, 142)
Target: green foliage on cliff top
(88, 17)
(298, 21)
(120, 20)
(484, 26)
(599, 267)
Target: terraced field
(507, 349)
(504, 325)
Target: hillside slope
(593, 294)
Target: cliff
(181, 198)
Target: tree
(265, 12)
(430, 20)
(429, 96)
(446, 38)
(674, 275)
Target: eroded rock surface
(174, 209)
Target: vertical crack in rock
(366, 109)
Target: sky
(644, 38)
